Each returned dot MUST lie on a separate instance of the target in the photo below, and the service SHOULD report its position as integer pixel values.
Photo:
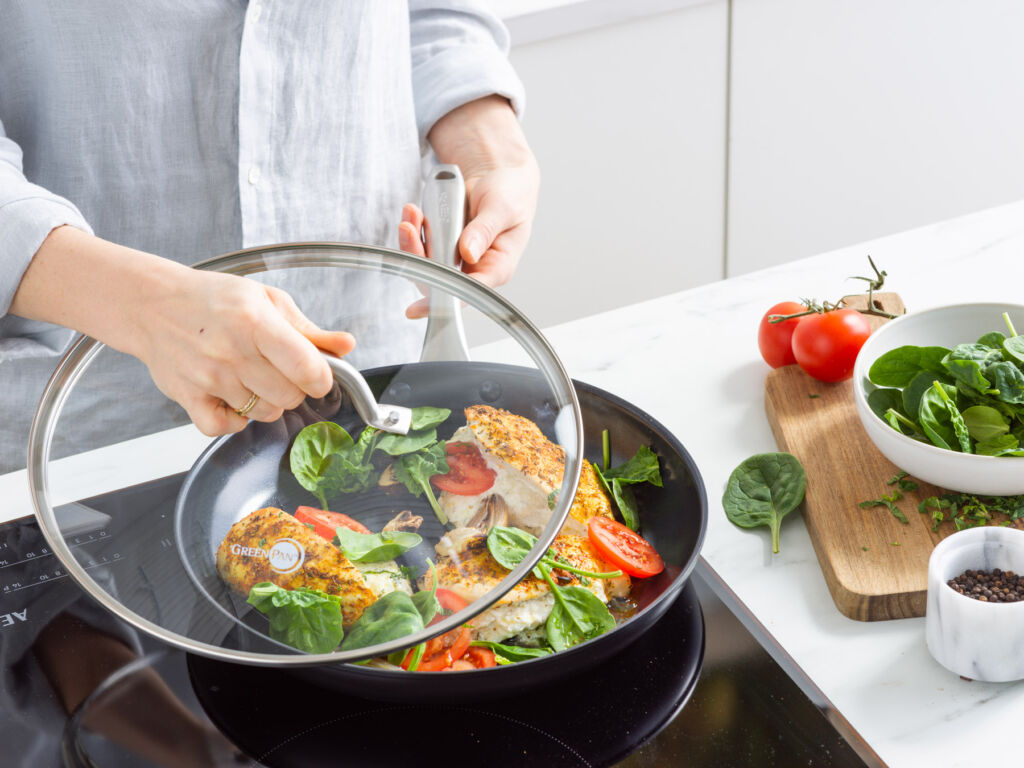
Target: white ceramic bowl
(982, 641)
(947, 327)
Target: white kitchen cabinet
(852, 120)
(628, 124)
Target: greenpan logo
(286, 555)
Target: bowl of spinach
(940, 393)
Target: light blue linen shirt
(191, 128)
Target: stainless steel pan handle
(444, 203)
(388, 418)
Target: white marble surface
(691, 360)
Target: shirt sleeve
(459, 54)
(28, 213)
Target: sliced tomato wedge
(624, 548)
(442, 651)
(324, 521)
(449, 601)
(480, 658)
(468, 473)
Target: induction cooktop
(704, 686)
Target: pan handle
(387, 418)
(444, 203)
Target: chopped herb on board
(965, 510)
(888, 500)
(901, 479)
(813, 396)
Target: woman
(136, 138)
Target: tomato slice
(480, 658)
(442, 651)
(324, 521)
(468, 473)
(624, 548)
(450, 601)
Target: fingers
(409, 230)
(288, 341)
(493, 216)
(212, 416)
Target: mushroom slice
(493, 511)
(387, 477)
(404, 521)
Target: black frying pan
(673, 518)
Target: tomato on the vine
(773, 339)
(826, 344)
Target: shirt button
(257, 9)
(254, 175)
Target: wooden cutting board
(875, 566)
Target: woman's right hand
(209, 340)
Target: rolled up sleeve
(459, 54)
(28, 213)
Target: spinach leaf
(390, 617)
(578, 615)
(959, 427)
(426, 600)
(898, 366)
(934, 418)
(967, 362)
(424, 417)
(375, 547)
(1008, 379)
(345, 473)
(412, 441)
(641, 468)
(763, 489)
(985, 423)
(303, 618)
(881, 400)
(994, 339)
(510, 546)
(1013, 349)
(996, 445)
(915, 390)
(312, 454)
(414, 470)
(510, 654)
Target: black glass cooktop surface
(80, 688)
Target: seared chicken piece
(465, 566)
(271, 545)
(528, 470)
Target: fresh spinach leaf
(763, 489)
(414, 440)
(578, 615)
(934, 418)
(390, 617)
(996, 445)
(414, 470)
(426, 600)
(985, 423)
(897, 367)
(955, 419)
(312, 454)
(306, 619)
(510, 546)
(641, 468)
(375, 547)
(1007, 378)
(511, 654)
(915, 390)
(994, 339)
(425, 417)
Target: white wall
(628, 125)
(852, 120)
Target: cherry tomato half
(826, 344)
(623, 548)
(774, 339)
(324, 521)
(468, 473)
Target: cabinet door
(628, 125)
(853, 120)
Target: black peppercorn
(995, 586)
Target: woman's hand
(210, 340)
(502, 181)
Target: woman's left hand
(502, 181)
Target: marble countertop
(691, 360)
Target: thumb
(492, 218)
(339, 343)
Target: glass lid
(408, 501)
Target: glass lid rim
(81, 353)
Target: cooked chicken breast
(465, 566)
(528, 470)
(271, 545)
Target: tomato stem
(815, 308)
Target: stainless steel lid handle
(387, 418)
(444, 202)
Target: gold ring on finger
(248, 406)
